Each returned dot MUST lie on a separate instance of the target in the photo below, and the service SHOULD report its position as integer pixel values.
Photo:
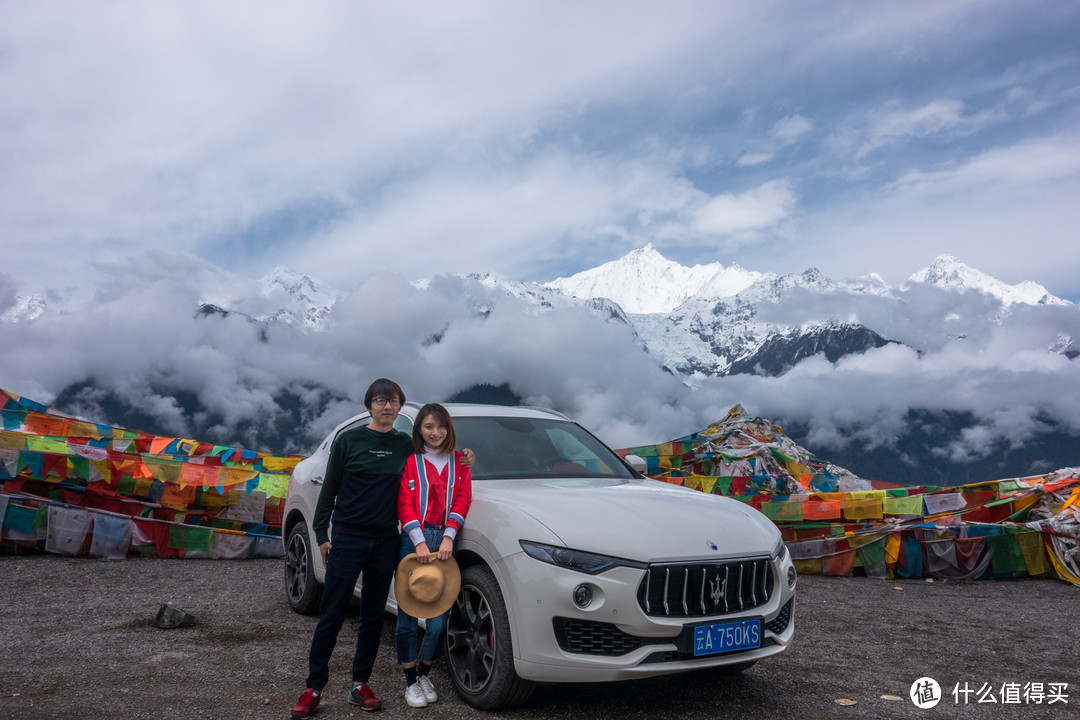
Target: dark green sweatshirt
(361, 484)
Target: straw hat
(426, 590)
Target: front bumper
(613, 638)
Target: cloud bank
(142, 341)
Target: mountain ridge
(948, 272)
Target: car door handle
(316, 479)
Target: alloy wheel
(471, 639)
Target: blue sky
(536, 140)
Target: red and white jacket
(415, 494)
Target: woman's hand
(325, 550)
(423, 554)
(446, 548)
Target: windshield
(535, 448)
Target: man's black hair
(383, 388)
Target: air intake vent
(780, 622)
(597, 638)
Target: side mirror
(637, 463)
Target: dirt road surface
(78, 640)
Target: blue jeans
(350, 555)
(405, 636)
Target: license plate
(727, 637)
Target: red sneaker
(306, 705)
(364, 696)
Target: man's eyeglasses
(381, 401)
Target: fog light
(582, 596)
(791, 577)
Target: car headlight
(780, 553)
(778, 558)
(579, 560)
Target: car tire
(479, 647)
(303, 592)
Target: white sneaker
(429, 689)
(414, 695)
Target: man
(359, 493)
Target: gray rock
(170, 616)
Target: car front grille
(705, 589)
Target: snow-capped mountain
(300, 287)
(740, 321)
(644, 281)
(26, 308)
(948, 272)
(733, 333)
(309, 302)
(283, 297)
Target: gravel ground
(78, 640)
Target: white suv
(576, 567)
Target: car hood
(637, 519)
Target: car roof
(479, 410)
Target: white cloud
(501, 221)
(940, 117)
(756, 209)
(1022, 168)
(753, 159)
(785, 132)
(790, 130)
(168, 124)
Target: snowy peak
(949, 273)
(644, 281)
(299, 286)
(871, 284)
(309, 302)
(773, 288)
(25, 309)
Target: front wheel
(302, 590)
(478, 645)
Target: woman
(434, 498)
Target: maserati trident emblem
(716, 590)
(711, 544)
